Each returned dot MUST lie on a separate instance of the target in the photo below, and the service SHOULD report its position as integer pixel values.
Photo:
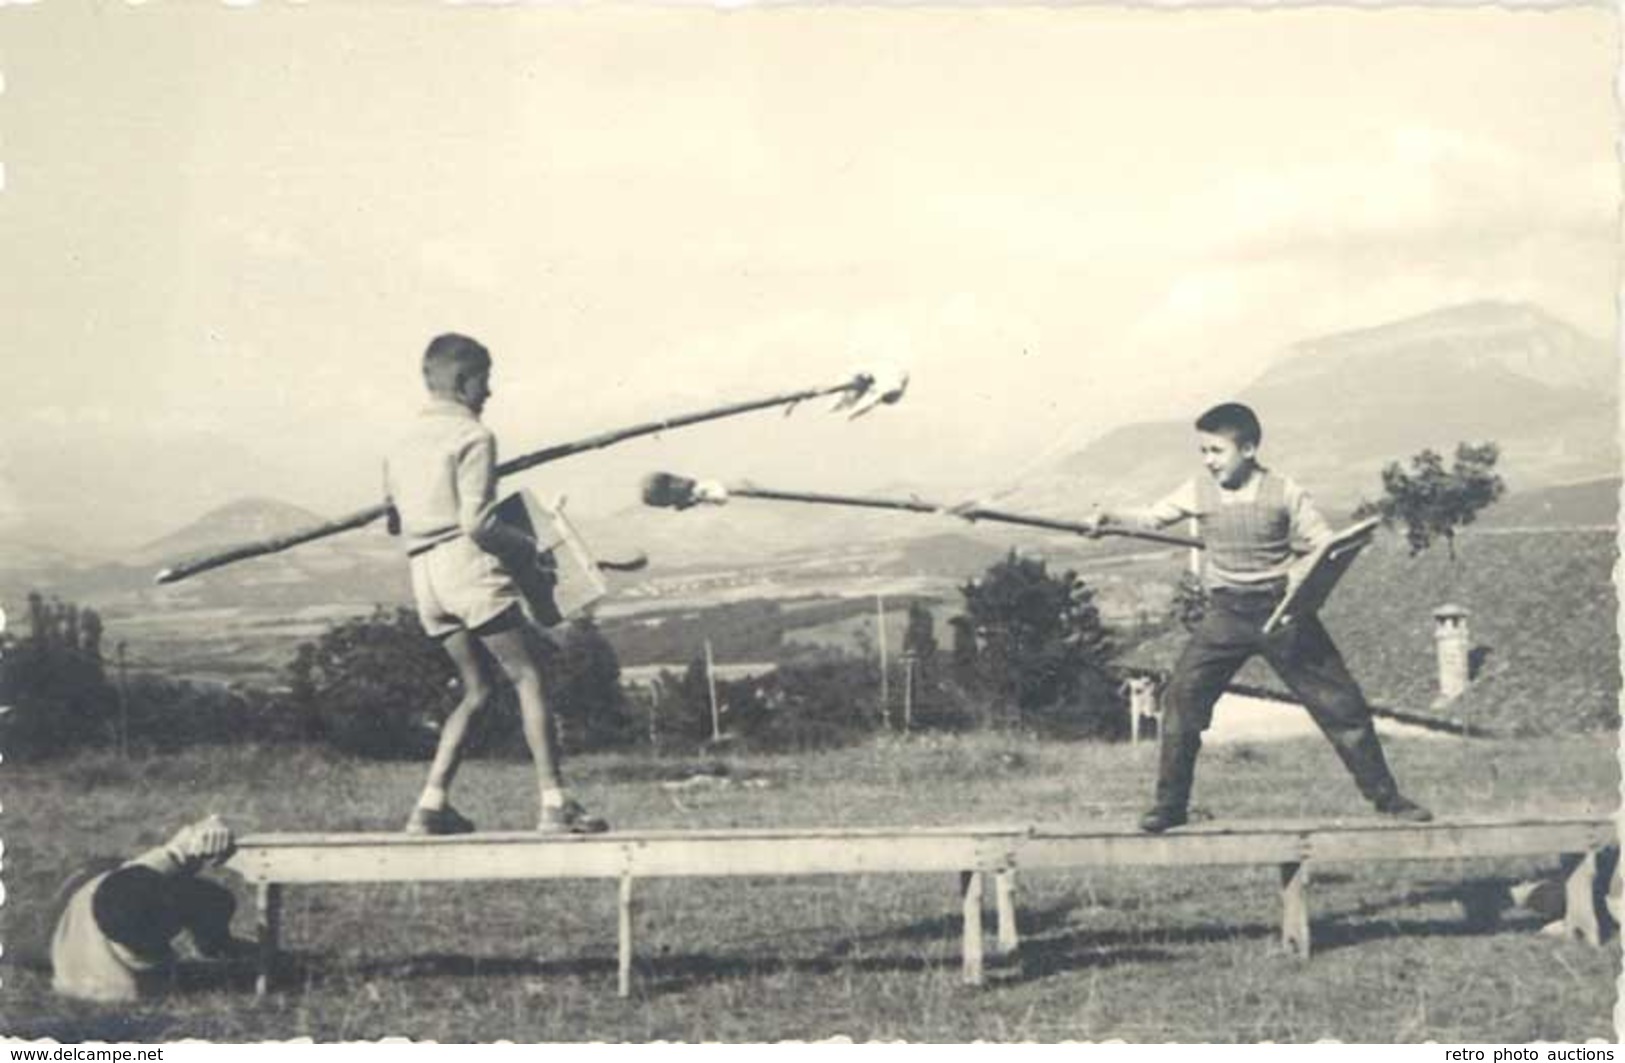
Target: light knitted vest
(1244, 538)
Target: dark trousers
(1305, 658)
(143, 911)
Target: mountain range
(1338, 408)
(1335, 410)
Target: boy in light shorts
(441, 480)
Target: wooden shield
(1315, 576)
(564, 579)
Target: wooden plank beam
(272, 861)
(724, 853)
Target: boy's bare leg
(513, 653)
(464, 651)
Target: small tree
(1040, 643)
(586, 690)
(1434, 503)
(55, 682)
(376, 685)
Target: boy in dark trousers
(441, 480)
(1255, 523)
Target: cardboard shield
(563, 579)
(1315, 576)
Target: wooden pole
(1004, 895)
(1295, 909)
(123, 705)
(971, 889)
(1580, 900)
(885, 682)
(908, 692)
(711, 688)
(362, 517)
(268, 925)
(623, 963)
(969, 513)
(654, 713)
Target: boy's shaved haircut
(453, 357)
(1232, 419)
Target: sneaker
(1162, 819)
(1404, 809)
(445, 820)
(570, 818)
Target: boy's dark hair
(452, 357)
(1232, 419)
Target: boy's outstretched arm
(1171, 509)
(191, 849)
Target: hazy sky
(227, 235)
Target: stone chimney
(1453, 643)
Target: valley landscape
(1503, 372)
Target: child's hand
(206, 842)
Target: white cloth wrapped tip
(871, 386)
(710, 493)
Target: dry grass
(1172, 955)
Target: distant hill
(358, 566)
(1337, 408)
(244, 520)
(1592, 503)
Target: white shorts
(459, 587)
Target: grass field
(1174, 955)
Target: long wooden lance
(665, 490)
(862, 392)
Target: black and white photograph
(763, 522)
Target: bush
(375, 686)
(1035, 643)
(801, 705)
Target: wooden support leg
(1580, 901)
(1004, 892)
(268, 926)
(1295, 909)
(624, 960)
(971, 888)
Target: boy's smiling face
(1227, 461)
